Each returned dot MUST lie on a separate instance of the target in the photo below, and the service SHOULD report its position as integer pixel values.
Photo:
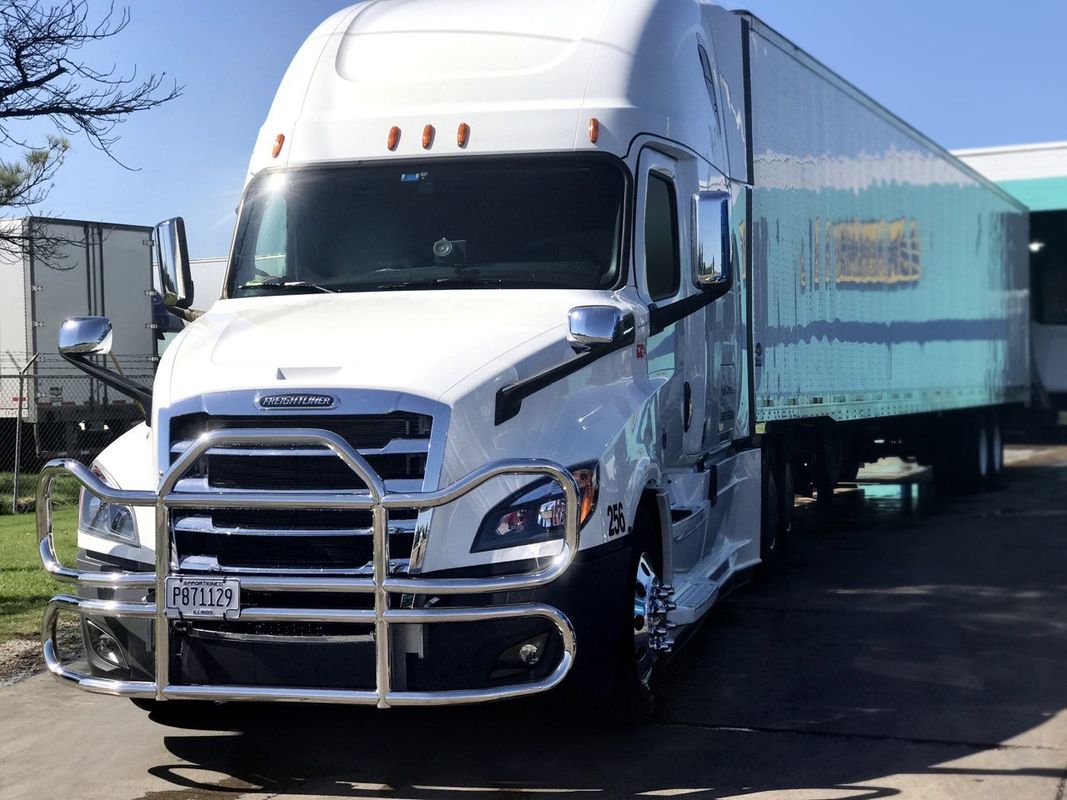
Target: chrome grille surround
(381, 584)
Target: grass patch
(24, 585)
(64, 492)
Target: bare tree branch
(42, 76)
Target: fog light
(530, 654)
(521, 658)
(105, 645)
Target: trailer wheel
(996, 450)
(963, 456)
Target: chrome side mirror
(172, 263)
(711, 240)
(85, 336)
(588, 326)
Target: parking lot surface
(909, 648)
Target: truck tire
(996, 450)
(632, 700)
(963, 455)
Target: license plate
(212, 598)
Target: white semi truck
(534, 321)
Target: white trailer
(54, 269)
(534, 322)
(1036, 174)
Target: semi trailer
(533, 324)
(1036, 174)
(52, 269)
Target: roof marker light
(279, 140)
(394, 138)
(594, 129)
(427, 137)
(463, 134)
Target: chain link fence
(50, 409)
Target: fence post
(18, 437)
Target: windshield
(493, 223)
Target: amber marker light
(594, 129)
(427, 137)
(463, 134)
(279, 140)
(394, 138)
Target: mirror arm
(187, 314)
(139, 394)
(659, 317)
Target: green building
(1037, 175)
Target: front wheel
(646, 638)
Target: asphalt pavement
(911, 647)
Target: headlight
(537, 513)
(107, 520)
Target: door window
(662, 267)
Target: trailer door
(124, 258)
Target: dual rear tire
(970, 454)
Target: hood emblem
(295, 400)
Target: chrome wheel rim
(646, 617)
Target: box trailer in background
(60, 269)
(526, 344)
(209, 274)
(1036, 174)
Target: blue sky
(968, 74)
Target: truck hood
(421, 342)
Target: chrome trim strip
(272, 638)
(381, 584)
(412, 447)
(203, 524)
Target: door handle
(687, 406)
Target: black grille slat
(279, 473)
(287, 552)
(231, 537)
(368, 431)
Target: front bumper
(382, 586)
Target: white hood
(420, 342)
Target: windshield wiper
(279, 283)
(457, 281)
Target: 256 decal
(616, 519)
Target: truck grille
(297, 541)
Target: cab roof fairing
(523, 82)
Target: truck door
(676, 348)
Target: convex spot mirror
(172, 263)
(711, 241)
(85, 336)
(588, 326)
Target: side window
(662, 269)
(709, 77)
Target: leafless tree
(44, 77)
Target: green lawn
(64, 491)
(24, 585)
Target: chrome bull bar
(381, 584)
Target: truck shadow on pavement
(893, 650)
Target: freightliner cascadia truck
(536, 318)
